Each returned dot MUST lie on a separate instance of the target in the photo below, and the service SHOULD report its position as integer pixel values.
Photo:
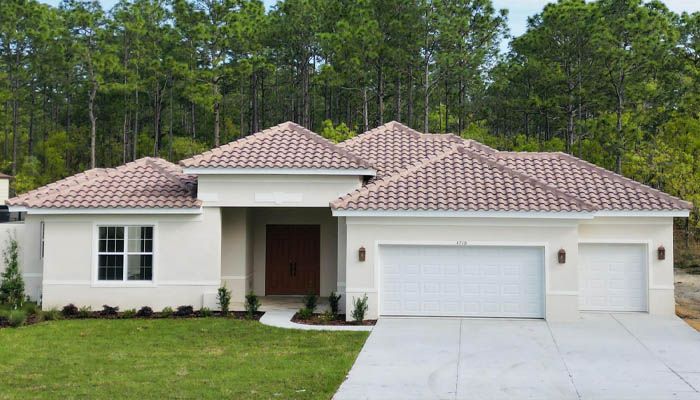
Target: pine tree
(12, 284)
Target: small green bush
(85, 312)
(11, 281)
(70, 311)
(252, 304)
(224, 299)
(166, 312)
(17, 318)
(131, 313)
(145, 312)
(52, 314)
(334, 302)
(305, 313)
(109, 311)
(358, 313)
(311, 301)
(328, 316)
(184, 311)
(31, 309)
(205, 312)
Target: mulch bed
(316, 319)
(238, 315)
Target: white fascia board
(649, 214)
(463, 214)
(279, 171)
(105, 211)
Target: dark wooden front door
(293, 259)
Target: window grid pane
(114, 255)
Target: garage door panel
(462, 281)
(612, 277)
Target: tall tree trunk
(135, 142)
(93, 123)
(398, 98)
(217, 116)
(380, 94)
(426, 98)
(15, 132)
(30, 136)
(460, 105)
(306, 97)
(447, 107)
(410, 97)
(254, 112)
(365, 113)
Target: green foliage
(334, 302)
(166, 312)
(224, 299)
(109, 311)
(252, 304)
(130, 313)
(305, 313)
(70, 310)
(338, 133)
(311, 301)
(31, 308)
(145, 312)
(85, 312)
(184, 311)
(52, 314)
(360, 307)
(205, 312)
(17, 318)
(11, 282)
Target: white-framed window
(42, 229)
(125, 253)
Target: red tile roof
(144, 183)
(393, 147)
(287, 145)
(459, 179)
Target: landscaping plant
(184, 311)
(334, 302)
(17, 318)
(131, 313)
(305, 313)
(311, 301)
(84, 312)
(11, 282)
(145, 312)
(224, 299)
(70, 310)
(252, 303)
(360, 308)
(166, 312)
(109, 311)
(205, 312)
(52, 314)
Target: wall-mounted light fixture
(561, 256)
(661, 252)
(362, 253)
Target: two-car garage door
(466, 281)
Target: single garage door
(465, 281)
(612, 277)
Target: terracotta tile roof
(144, 183)
(393, 146)
(287, 145)
(601, 188)
(460, 179)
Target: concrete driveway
(600, 356)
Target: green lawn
(173, 358)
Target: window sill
(124, 284)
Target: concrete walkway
(601, 356)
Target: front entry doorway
(293, 259)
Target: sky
(518, 10)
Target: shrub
(145, 312)
(358, 313)
(52, 314)
(70, 310)
(31, 309)
(311, 301)
(327, 317)
(224, 299)
(131, 313)
(252, 303)
(85, 312)
(108, 311)
(11, 282)
(184, 311)
(4, 315)
(205, 312)
(17, 318)
(334, 301)
(305, 313)
(166, 312)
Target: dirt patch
(319, 319)
(687, 282)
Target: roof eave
(464, 214)
(279, 171)
(106, 211)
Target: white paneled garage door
(612, 277)
(468, 281)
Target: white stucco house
(424, 225)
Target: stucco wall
(27, 234)
(652, 232)
(561, 279)
(4, 190)
(237, 253)
(273, 190)
(329, 241)
(187, 254)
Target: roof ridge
(154, 162)
(330, 145)
(682, 203)
(542, 184)
(395, 176)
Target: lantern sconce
(561, 256)
(362, 253)
(661, 252)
